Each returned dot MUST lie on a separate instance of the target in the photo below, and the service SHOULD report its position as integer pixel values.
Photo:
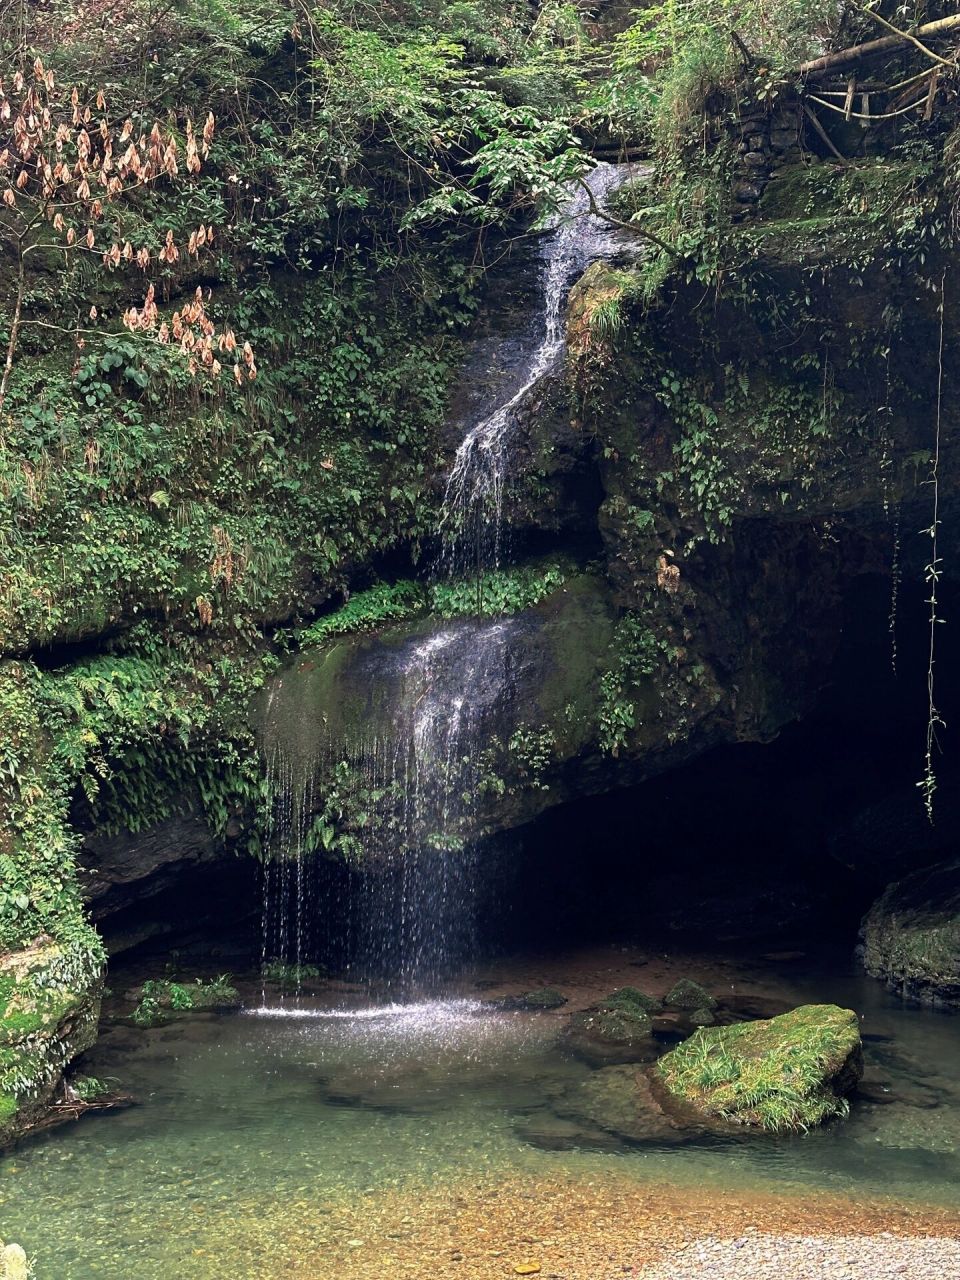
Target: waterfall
(418, 919)
(472, 516)
(412, 895)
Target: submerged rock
(620, 1100)
(911, 935)
(785, 1073)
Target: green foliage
(88, 1088)
(498, 591)
(158, 997)
(379, 605)
(492, 594)
(288, 977)
(636, 655)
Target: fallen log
(843, 58)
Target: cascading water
(412, 902)
(418, 917)
(472, 516)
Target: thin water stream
(471, 524)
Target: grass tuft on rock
(782, 1074)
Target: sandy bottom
(567, 1228)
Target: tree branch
(905, 35)
(626, 226)
(14, 331)
(938, 30)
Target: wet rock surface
(911, 935)
(620, 1100)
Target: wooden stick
(934, 86)
(811, 116)
(851, 90)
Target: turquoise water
(244, 1116)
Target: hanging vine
(928, 783)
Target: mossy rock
(703, 1017)
(603, 1036)
(689, 996)
(632, 1000)
(782, 1074)
(49, 1007)
(542, 998)
(911, 935)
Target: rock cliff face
(716, 467)
(911, 936)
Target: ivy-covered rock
(49, 1006)
(786, 1073)
(910, 937)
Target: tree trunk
(14, 331)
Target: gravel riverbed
(813, 1257)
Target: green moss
(543, 998)
(787, 1073)
(8, 1109)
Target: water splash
(472, 515)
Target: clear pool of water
(323, 1106)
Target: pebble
(781, 1257)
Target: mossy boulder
(781, 1074)
(612, 1033)
(689, 997)
(632, 1000)
(542, 998)
(911, 935)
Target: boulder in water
(632, 1000)
(688, 996)
(910, 937)
(785, 1073)
(617, 1031)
